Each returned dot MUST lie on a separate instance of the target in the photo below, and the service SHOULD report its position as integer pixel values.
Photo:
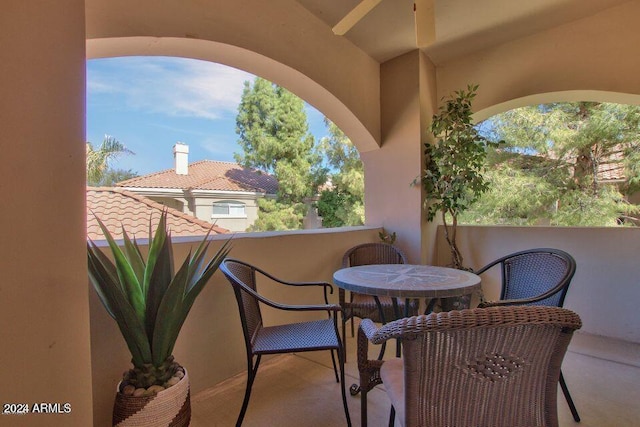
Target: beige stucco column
(407, 97)
(44, 316)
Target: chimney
(181, 158)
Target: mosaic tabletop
(407, 281)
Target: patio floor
(603, 376)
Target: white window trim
(230, 205)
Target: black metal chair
(535, 277)
(287, 338)
(364, 306)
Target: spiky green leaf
(116, 303)
(99, 279)
(161, 277)
(155, 247)
(134, 256)
(169, 296)
(198, 281)
(126, 274)
(169, 312)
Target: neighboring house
(612, 171)
(118, 208)
(223, 193)
(610, 168)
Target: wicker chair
(287, 338)
(364, 306)
(495, 366)
(536, 277)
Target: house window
(228, 209)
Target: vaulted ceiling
(461, 26)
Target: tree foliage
(112, 176)
(99, 170)
(274, 137)
(343, 203)
(454, 166)
(274, 216)
(551, 169)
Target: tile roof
(119, 208)
(208, 175)
(611, 168)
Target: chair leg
(252, 370)
(343, 386)
(335, 368)
(572, 406)
(392, 417)
(383, 320)
(430, 305)
(383, 347)
(363, 408)
(344, 335)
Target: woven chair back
(373, 253)
(489, 367)
(532, 273)
(242, 277)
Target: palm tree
(98, 160)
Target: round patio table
(407, 281)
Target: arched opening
(565, 159)
(293, 80)
(158, 88)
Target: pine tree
(549, 170)
(274, 136)
(343, 203)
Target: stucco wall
(597, 53)
(605, 290)
(407, 89)
(204, 211)
(44, 312)
(210, 344)
(202, 208)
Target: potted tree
(454, 165)
(150, 302)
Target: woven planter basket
(170, 407)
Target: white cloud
(98, 84)
(220, 147)
(171, 86)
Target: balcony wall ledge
(606, 287)
(102, 243)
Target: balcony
(602, 366)
(60, 346)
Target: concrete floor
(603, 376)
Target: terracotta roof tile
(119, 208)
(611, 168)
(208, 175)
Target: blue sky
(150, 103)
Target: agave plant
(147, 299)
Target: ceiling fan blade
(425, 17)
(353, 17)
